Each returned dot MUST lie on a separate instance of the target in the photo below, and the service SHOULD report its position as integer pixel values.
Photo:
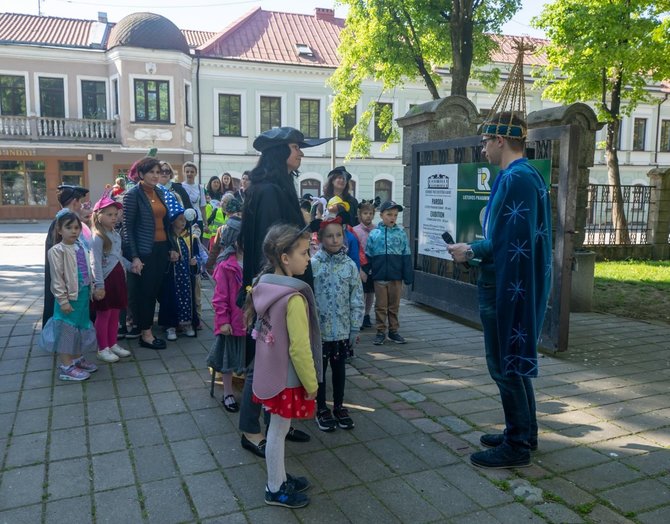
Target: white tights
(274, 451)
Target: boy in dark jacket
(388, 254)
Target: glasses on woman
(168, 171)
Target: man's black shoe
(258, 450)
(503, 456)
(157, 343)
(493, 440)
(295, 435)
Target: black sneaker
(493, 440)
(380, 337)
(395, 337)
(343, 418)
(286, 497)
(503, 456)
(366, 322)
(134, 333)
(325, 420)
(299, 484)
(122, 332)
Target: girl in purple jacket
(227, 355)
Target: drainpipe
(658, 127)
(197, 101)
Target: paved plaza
(142, 441)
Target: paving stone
(447, 499)
(21, 486)
(427, 425)
(74, 511)
(603, 476)
(268, 515)
(188, 380)
(166, 502)
(159, 383)
(126, 367)
(228, 451)
(68, 478)
(558, 513)
(144, 432)
(193, 456)
(412, 396)
(66, 443)
(572, 458)
(153, 463)
(152, 367)
(170, 402)
(233, 518)
(396, 456)
(390, 422)
(112, 470)
(651, 463)
(480, 517)
(199, 399)
(68, 416)
(211, 494)
(364, 465)
(36, 398)
(130, 387)
(212, 421)
(247, 484)
(136, 407)
(403, 501)
(31, 421)
(466, 479)
(97, 389)
(338, 475)
(428, 450)
(638, 496)
(566, 490)
(26, 449)
(360, 505)
(24, 515)
(9, 401)
(603, 515)
(106, 437)
(655, 516)
(514, 513)
(62, 395)
(176, 364)
(179, 426)
(118, 505)
(38, 379)
(103, 411)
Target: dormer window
(304, 50)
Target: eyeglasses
(485, 140)
(168, 171)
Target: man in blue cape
(514, 284)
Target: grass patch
(637, 289)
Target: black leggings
(335, 352)
(145, 288)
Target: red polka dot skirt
(290, 403)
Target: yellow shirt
(299, 349)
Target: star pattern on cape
(515, 211)
(519, 336)
(517, 290)
(543, 191)
(519, 250)
(541, 232)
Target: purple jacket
(228, 279)
(273, 369)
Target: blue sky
(211, 15)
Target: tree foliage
(607, 51)
(393, 41)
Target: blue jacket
(388, 253)
(339, 295)
(138, 223)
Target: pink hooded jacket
(228, 279)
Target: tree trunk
(614, 179)
(462, 49)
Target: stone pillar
(659, 213)
(450, 117)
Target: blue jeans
(516, 392)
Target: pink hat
(106, 201)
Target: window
(311, 186)
(115, 95)
(71, 173)
(384, 189)
(23, 183)
(270, 112)
(230, 115)
(352, 187)
(152, 101)
(345, 131)
(309, 117)
(93, 100)
(665, 136)
(639, 132)
(382, 112)
(52, 97)
(187, 104)
(12, 95)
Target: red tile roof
(197, 38)
(47, 30)
(270, 36)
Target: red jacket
(228, 279)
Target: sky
(212, 15)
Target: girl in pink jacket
(228, 353)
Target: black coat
(49, 299)
(176, 187)
(138, 223)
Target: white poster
(438, 187)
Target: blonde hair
(280, 239)
(99, 230)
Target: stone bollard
(659, 213)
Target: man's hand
(458, 251)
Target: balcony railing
(42, 128)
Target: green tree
(393, 41)
(609, 51)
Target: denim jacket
(339, 295)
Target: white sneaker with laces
(171, 333)
(106, 355)
(189, 332)
(119, 351)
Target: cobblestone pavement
(142, 441)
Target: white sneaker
(106, 355)
(119, 351)
(171, 333)
(189, 332)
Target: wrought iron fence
(600, 228)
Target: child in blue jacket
(389, 255)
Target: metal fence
(600, 230)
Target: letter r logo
(483, 177)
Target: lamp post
(333, 150)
